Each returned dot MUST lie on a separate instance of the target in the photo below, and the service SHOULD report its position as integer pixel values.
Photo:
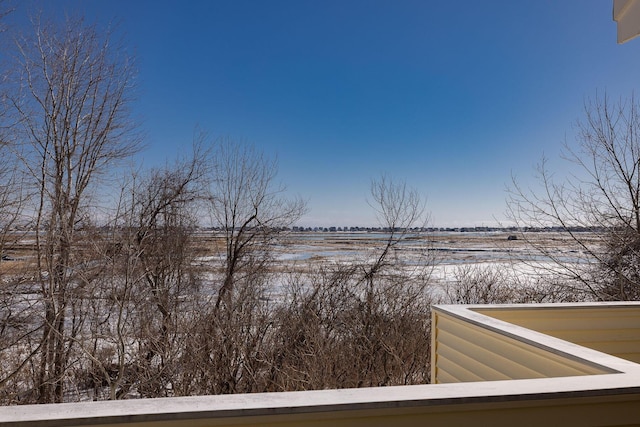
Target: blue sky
(452, 96)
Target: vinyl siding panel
(614, 331)
(467, 352)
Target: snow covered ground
(445, 254)
(442, 249)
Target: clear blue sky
(451, 96)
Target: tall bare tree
(602, 197)
(74, 119)
(250, 208)
(250, 211)
(166, 209)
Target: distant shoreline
(357, 229)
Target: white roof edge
(627, 14)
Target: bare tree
(16, 304)
(398, 208)
(361, 323)
(72, 110)
(393, 289)
(146, 286)
(17, 325)
(166, 209)
(251, 210)
(598, 206)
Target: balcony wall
(557, 382)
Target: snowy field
(442, 248)
(444, 253)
